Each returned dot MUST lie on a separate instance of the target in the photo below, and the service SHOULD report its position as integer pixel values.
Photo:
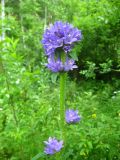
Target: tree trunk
(2, 18)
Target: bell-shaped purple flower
(55, 65)
(72, 116)
(69, 64)
(59, 66)
(53, 146)
(60, 35)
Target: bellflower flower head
(72, 116)
(60, 35)
(59, 66)
(69, 64)
(53, 146)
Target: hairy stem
(62, 104)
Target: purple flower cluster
(60, 35)
(58, 65)
(59, 38)
(72, 116)
(53, 146)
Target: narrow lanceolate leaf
(74, 56)
(39, 155)
(54, 77)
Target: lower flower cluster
(72, 116)
(59, 66)
(53, 145)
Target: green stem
(62, 105)
(8, 91)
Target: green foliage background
(29, 93)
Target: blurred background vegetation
(29, 92)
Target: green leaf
(89, 145)
(54, 77)
(74, 56)
(39, 155)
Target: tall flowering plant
(58, 41)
